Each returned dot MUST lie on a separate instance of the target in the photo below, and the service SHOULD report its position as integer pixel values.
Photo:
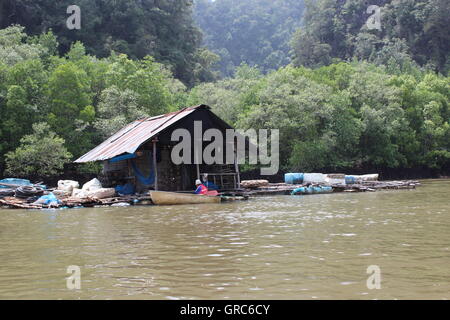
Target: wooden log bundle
(16, 203)
(253, 184)
(377, 185)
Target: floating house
(141, 154)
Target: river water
(278, 247)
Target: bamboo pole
(238, 176)
(155, 164)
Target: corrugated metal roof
(132, 136)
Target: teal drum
(312, 190)
(293, 178)
(301, 190)
(325, 189)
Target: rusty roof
(133, 135)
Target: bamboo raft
(70, 202)
(16, 203)
(366, 186)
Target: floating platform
(366, 186)
(135, 200)
(227, 195)
(17, 203)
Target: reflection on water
(281, 247)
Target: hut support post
(197, 166)
(155, 165)
(237, 177)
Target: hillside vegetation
(343, 97)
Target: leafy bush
(41, 153)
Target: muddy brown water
(278, 247)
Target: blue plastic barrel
(293, 178)
(301, 190)
(350, 180)
(310, 190)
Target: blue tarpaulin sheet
(123, 157)
(15, 181)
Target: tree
(342, 116)
(116, 109)
(255, 32)
(309, 51)
(411, 30)
(70, 110)
(23, 99)
(148, 79)
(164, 29)
(13, 49)
(41, 153)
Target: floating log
(16, 203)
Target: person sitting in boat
(201, 188)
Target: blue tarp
(122, 157)
(211, 186)
(125, 190)
(15, 181)
(48, 199)
(18, 182)
(150, 180)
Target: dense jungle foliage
(350, 97)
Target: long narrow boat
(169, 198)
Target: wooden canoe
(170, 198)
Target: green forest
(344, 96)
(254, 32)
